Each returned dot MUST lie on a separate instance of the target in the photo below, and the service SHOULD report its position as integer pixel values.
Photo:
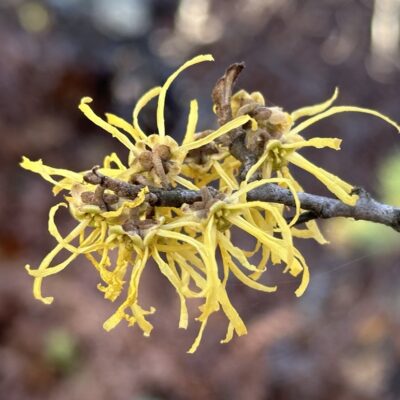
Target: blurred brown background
(341, 340)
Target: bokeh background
(341, 340)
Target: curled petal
(167, 84)
(120, 123)
(141, 103)
(309, 111)
(174, 280)
(47, 173)
(223, 130)
(316, 142)
(337, 186)
(89, 113)
(128, 204)
(41, 271)
(243, 277)
(113, 158)
(192, 122)
(305, 278)
(340, 109)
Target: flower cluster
(117, 208)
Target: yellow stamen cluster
(184, 241)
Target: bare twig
(303, 218)
(120, 188)
(366, 209)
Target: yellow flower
(277, 139)
(183, 248)
(183, 242)
(91, 218)
(198, 268)
(281, 140)
(274, 241)
(158, 158)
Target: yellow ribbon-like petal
(231, 183)
(192, 122)
(141, 103)
(244, 278)
(47, 172)
(128, 204)
(186, 183)
(223, 130)
(113, 158)
(119, 122)
(137, 271)
(233, 316)
(89, 113)
(337, 186)
(309, 111)
(41, 270)
(319, 143)
(167, 84)
(340, 109)
(166, 271)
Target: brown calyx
(99, 198)
(208, 198)
(157, 159)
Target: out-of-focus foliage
(61, 350)
(366, 235)
(389, 178)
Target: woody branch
(366, 209)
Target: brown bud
(163, 151)
(247, 109)
(146, 160)
(262, 113)
(130, 226)
(93, 176)
(278, 116)
(110, 198)
(87, 197)
(139, 179)
(145, 223)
